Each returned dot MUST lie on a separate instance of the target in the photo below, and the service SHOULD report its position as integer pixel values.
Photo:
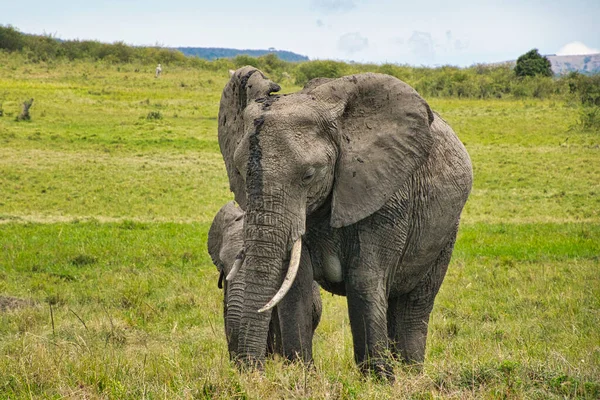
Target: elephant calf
(225, 244)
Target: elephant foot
(308, 364)
(415, 367)
(249, 363)
(409, 364)
(379, 368)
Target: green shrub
(533, 63)
(272, 64)
(389, 69)
(589, 118)
(154, 115)
(242, 60)
(10, 38)
(43, 48)
(543, 87)
(587, 88)
(319, 69)
(519, 90)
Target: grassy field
(107, 291)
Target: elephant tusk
(289, 277)
(239, 260)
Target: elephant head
(340, 147)
(225, 244)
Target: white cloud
(576, 48)
(352, 43)
(397, 41)
(460, 45)
(422, 46)
(333, 6)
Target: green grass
(103, 222)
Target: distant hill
(585, 64)
(212, 53)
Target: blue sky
(460, 32)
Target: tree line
(530, 77)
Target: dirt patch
(8, 303)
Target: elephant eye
(308, 175)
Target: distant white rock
(576, 49)
(583, 63)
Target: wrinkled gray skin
(371, 179)
(225, 241)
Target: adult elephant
(361, 176)
(225, 242)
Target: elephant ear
(215, 237)
(383, 134)
(245, 85)
(221, 226)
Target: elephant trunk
(265, 245)
(234, 298)
(270, 231)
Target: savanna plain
(107, 290)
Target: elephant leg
(408, 314)
(375, 251)
(274, 345)
(295, 314)
(367, 304)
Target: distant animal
(158, 71)
(358, 182)
(285, 75)
(225, 244)
(231, 72)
